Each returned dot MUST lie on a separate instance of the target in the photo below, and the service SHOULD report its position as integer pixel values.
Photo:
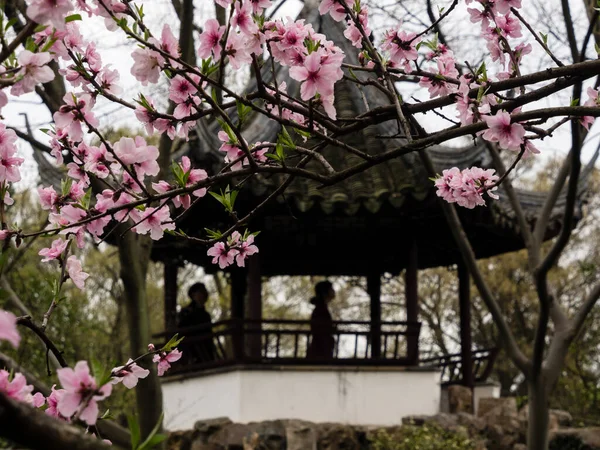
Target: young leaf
(134, 430)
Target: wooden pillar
(254, 307)
(374, 291)
(464, 301)
(170, 294)
(238, 292)
(411, 281)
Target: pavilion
(385, 220)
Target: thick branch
(35, 430)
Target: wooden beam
(466, 342)
(254, 307)
(374, 290)
(411, 280)
(170, 293)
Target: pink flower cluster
(164, 359)
(8, 328)
(237, 248)
(466, 187)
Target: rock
(196, 445)
(339, 437)
(231, 436)
(589, 437)
(205, 428)
(520, 447)
(179, 440)
(300, 435)
(268, 435)
(460, 399)
(563, 418)
(505, 405)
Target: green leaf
(213, 234)
(134, 430)
(40, 28)
(153, 438)
(544, 38)
(286, 138)
(10, 23)
(173, 342)
(73, 18)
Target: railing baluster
(396, 347)
(355, 344)
(266, 344)
(385, 339)
(277, 343)
(296, 336)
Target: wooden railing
(451, 365)
(287, 341)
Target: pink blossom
(146, 65)
(53, 400)
(73, 113)
(508, 135)
(164, 360)
(503, 6)
(223, 3)
(222, 254)
(50, 11)
(245, 248)
(168, 42)
(129, 374)
(237, 51)
(75, 272)
(334, 8)
(259, 5)
(34, 70)
(316, 77)
(55, 251)
(353, 34)
(592, 100)
(437, 86)
(79, 385)
(37, 400)
(210, 39)
(401, 45)
(181, 89)
(138, 153)
(155, 221)
(17, 388)
(8, 328)
(466, 187)
(510, 25)
(243, 19)
(9, 163)
(48, 197)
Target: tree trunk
(134, 255)
(537, 433)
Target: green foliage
(426, 437)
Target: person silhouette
(200, 346)
(322, 343)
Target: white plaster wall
(488, 390)
(370, 397)
(193, 399)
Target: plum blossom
(75, 272)
(82, 393)
(503, 6)
(592, 100)
(401, 46)
(8, 328)
(508, 135)
(34, 70)
(146, 65)
(50, 12)
(138, 153)
(57, 248)
(316, 76)
(17, 388)
(155, 221)
(245, 247)
(164, 360)
(466, 187)
(75, 111)
(9, 163)
(52, 401)
(222, 254)
(437, 86)
(210, 39)
(243, 19)
(237, 50)
(334, 8)
(129, 374)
